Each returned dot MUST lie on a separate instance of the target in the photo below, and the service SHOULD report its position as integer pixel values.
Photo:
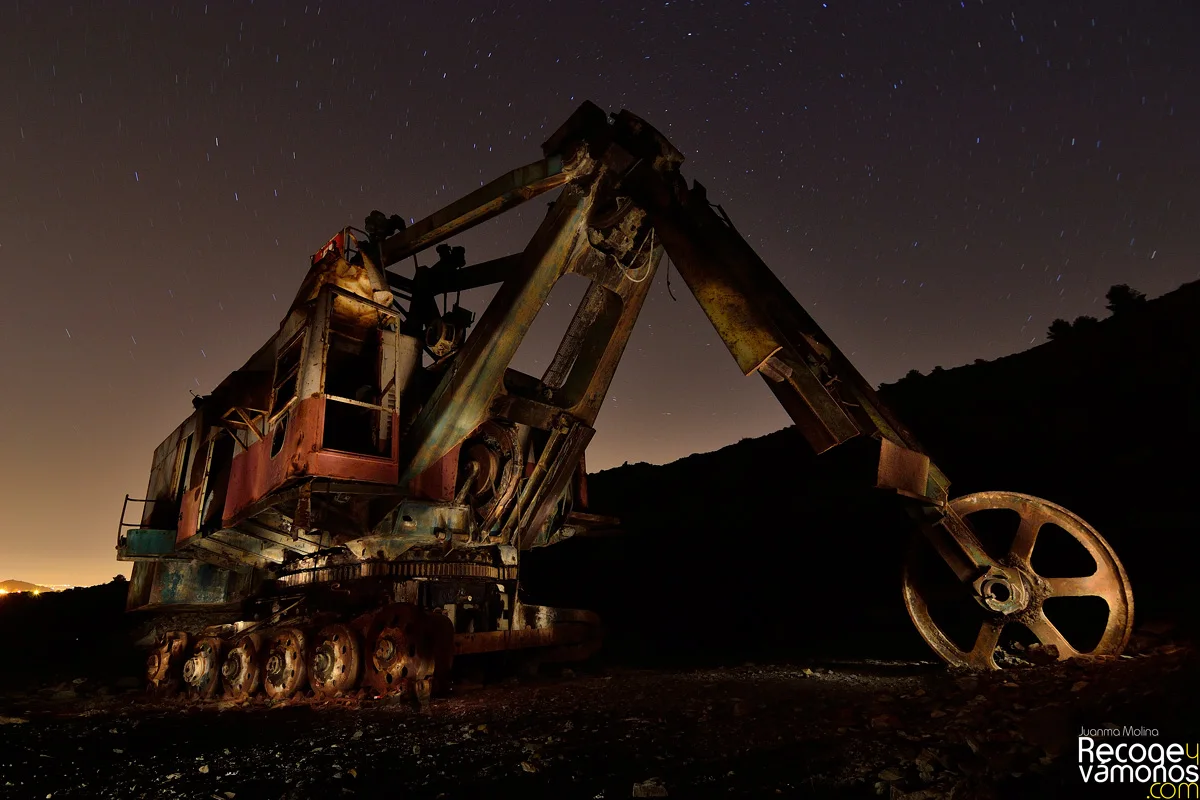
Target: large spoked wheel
(1079, 581)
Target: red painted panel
(354, 467)
(255, 473)
(189, 514)
(437, 482)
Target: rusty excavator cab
(347, 510)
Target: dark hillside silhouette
(760, 543)
(1105, 421)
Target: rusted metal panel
(438, 481)
(352, 466)
(494, 641)
(256, 472)
(146, 543)
(903, 470)
(169, 474)
(189, 514)
(581, 484)
(141, 583)
(192, 583)
(750, 336)
(331, 268)
(818, 415)
(524, 410)
(412, 522)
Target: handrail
(122, 524)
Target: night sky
(935, 181)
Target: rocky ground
(912, 730)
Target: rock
(968, 683)
(1042, 653)
(649, 788)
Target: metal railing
(122, 525)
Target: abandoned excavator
(353, 503)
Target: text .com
(1173, 769)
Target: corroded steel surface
(413, 569)
(202, 672)
(406, 645)
(164, 664)
(241, 673)
(256, 472)
(1011, 592)
(285, 671)
(494, 641)
(335, 665)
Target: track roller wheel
(285, 672)
(241, 672)
(202, 672)
(336, 662)
(164, 665)
(409, 651)
(1078, 566)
